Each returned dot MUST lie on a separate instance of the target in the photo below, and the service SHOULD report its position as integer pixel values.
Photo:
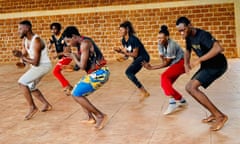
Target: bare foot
(30, 113)
(46, 108)
(88, 121)
(143, 96)
(209, 119)
(220, 121)
(100, 122)
(67, 90)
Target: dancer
(171, 55)
(40, 63)
(91, 60)
(133, 47)
(213, 65)
(61, 47)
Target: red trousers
(58, 68)
(169, 76)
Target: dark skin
(124, 32)
(192, 86)
(57, 34)
(162, 39)
(25, 32)
(86, 46)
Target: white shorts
(32, 77)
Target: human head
(126, 28)
(71, 35)
(163, 35)
(24, 28)
(55, 28)
(184, 26)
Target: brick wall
(33, 5)
(103, 27)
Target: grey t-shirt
(172, 51)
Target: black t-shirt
(201, 43)
(59, 44)
(132, 43)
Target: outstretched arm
(165, 63)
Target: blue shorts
(207, 75)
(91, 82)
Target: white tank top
(44, 53)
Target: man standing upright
(34, 52)
(213, 65)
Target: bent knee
(189, 88)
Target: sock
(182, 100)
(172, 101)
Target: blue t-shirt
(201, 43)
(132, 43)
(172, 51)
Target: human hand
(117, 49)
(20, 65)
(187, 68)
(146, 65)
(17, 53)
(67, 49)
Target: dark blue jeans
(134, 68)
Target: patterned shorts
(91, 82)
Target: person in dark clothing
(60, 47)
(212, 62)
(133, 47)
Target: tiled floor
(129, 122)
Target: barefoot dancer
(91, 60)
(171, 55)
(132, 47)
(35, 48)
(213, 65)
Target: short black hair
(183, 20)
(57, 25)
(27, 23)
(70, 30)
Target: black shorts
(207, 75)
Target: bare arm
(187, 56)
(165, 63)
(81, 61)
(216, 49)
(38, 45)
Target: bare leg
(90, 119)
(46, 106)
(32, 107)
(193, 89)
(101, 118)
